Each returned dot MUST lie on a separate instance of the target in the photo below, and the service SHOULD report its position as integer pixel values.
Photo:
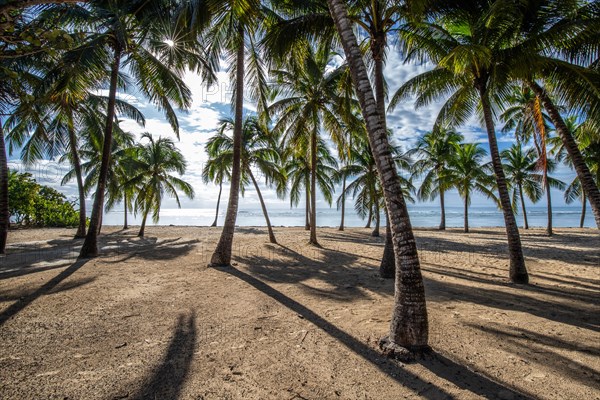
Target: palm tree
(469, 174)
(466, 48)
(310, 103)
(435, 151)
(216, 172)
(127, 33)
(521, 166)
(529, 121)
(298, 169)
(228, 29)
(152, 166)
(259, 152)
(409, 325)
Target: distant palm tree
(152, 166)
(434, 151)
(298, 170)
(308, 106)
(259, 152)
(521, 166)
(469, 174)
(216, 172)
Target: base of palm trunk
(88, 251)
(341, 228)
(521, 278)
(400, 353)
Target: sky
(199, 123)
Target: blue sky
(211, 104)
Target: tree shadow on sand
(168, 377)
(437, 363)
(47, 288)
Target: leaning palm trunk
(525, 223)
(143, 227)
(307, 208)
(369, 218)
(218, 203)
(518, 271)
(341, 228)
(77, 167)
(222, 254)
(313, 188)
(4, 213)
(264, 208)
(409, 329)
(90, 245)
(583, 172)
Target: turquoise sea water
(421, 216)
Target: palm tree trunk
(222, 254)
(583, 172)
(548, 203)
(387, 268)
(467, 213)
(341, 228)
(583, 209)
(375, 232)
(264, 208)
(518, 271)
(307, 208)
(369, 218)
(90, 245)
(409, 328)
(443, 208)
(77, 167)
(525, 223)
(143, 227)
(4, 213)
(218, 203)
(313, 187)
(125, 224)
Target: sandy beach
(149, 320)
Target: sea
(420, 216)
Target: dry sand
(149, 320)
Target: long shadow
(168, 377)
(15, 308)
(439, 365)
(26, 258)
(519, 341)
(582, 316)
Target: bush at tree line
(32, 204)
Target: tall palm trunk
(313, 187)
(583, 172)
(387, 268)
(307, 200)
(375, 232)
(369, 218)
(4, 213)
(222, 254)
(77, 167)
(218, 203)
(525, 223)
(548, 203)
(341, 228)
(583, 207)
(90, 245)
(264, 208)
(443, 209)
(466, 213)
(125, 224)
(518, 271)
(377, 48)
(409, 330)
